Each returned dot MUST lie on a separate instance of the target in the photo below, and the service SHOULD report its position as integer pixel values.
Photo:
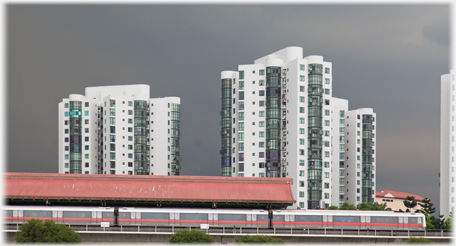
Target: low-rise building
(395, 199)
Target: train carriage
(348, 219)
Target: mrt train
(349, 219)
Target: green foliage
(347, 206)
(448, 224)
(418, 240)
(333, 207)
(193, 236)
(258, 239)
(379, 206)
(410, 202)
(35, 231)
(427, 206)
(364, 206)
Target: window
(326, 112)
(326, 122)
(112, 103)
(241, 74)
(66, 105)
(261, 82)
(112, 155)
(301, 194)
(261, 72)
(261, 113)
(301, 121)
(262, 93)
(130, 138)
(327, 91)
(327, 81)
(326, 164)
(326, 69)
(301, 99)
(301, 183)
(326, 185)
(301, 163)
(241, 126)
(261, 124)
(241, 158)
(261, 144)
(86, 139)
(67, 114)
(301, 173)
(261, 134)
(302, 141)
(130, 155)
(241, 136)
(301, 152)
(302, 67)
(302, 130)
(261, 155)
(301, 109)
(241, 85)
(241, 95)
(86, 147)
(326, 153)
(326, 174)
(261, 103)
(301, 78)
(301, 88)
(326, 101)
(241, 115)
(326, 195)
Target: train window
(8, 213)
(193, 216)
(108, 214)
(278, 217)
(413, 220)
(155, 216)
(346, 219)
(77, 214)
(236, 217)
(262, 217)
(38, 214)
(375, 219)
(308, 218)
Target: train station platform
(147, 191)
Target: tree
(364, 206)
(427, 206)
(380, 206)
(333, 207)
(35, 231)
(193, 236)
(347, 206)
(410, 202)
(258, 239)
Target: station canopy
(147, 190)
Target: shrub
(258, 239)
(418, 240)
(193, 236)
(35, 231)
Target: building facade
(119, 130)
(277, 120)
(395, 200)
(447, 143)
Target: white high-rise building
(447, 143)
(119, 130)
(278, 121)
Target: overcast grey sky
(387, 57)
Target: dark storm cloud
(388, 57)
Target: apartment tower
(447, 143)
(278, 120)
(119, 130)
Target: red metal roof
(397, 194)
(139, 187)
